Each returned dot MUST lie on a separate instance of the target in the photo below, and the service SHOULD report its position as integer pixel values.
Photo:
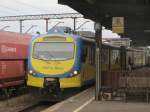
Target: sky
(31, 7)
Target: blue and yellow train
(56, 61)
(61, 60)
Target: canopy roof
(136, 15)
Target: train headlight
(75, 72)
(30, 72)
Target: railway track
(29, 103)
(41, 105)
(17, 103)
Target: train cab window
(53, 51)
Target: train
(13, 61)
(60, 60)
(56, 62)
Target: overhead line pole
(74, 23)
(45, 17)
(47, 24)
(21, 26)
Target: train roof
(93, 41)
(76, 36)
(135, 49)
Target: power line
(41, 16)
(32, 6)
(12, 9)
(6, 12)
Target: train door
(88, 62)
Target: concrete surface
(84, 102)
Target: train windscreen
(53, 51)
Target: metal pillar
(74, 24)
(21, 26)
(98, 37)
(46, 24)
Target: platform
(85, 102)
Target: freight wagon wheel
(21, 89)
(2, 94)
(6, 93)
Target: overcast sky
(26, 7)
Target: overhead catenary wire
(6, 12)
(11, 9)
(32, 6)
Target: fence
(136, 81)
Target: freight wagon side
(13, 60)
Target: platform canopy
(136, 14)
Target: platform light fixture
(97, 26)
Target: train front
(52, 62)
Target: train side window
(89, 54)
(84, 53)
(89, 60)
(105, 56)
(115, 57)
(92, 55)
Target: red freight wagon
(13, 59)
(11, 73)
(13, 45)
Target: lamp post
(98, 37)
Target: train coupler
(52, 87)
